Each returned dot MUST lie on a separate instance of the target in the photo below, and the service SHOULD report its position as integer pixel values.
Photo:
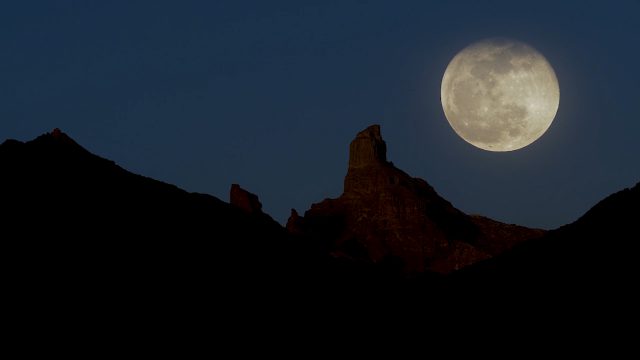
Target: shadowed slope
(73, 222)
(595, 253)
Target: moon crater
(499, 94)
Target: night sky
(269, 94)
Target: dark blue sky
(269, 94)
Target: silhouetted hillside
(76, 224)
(598, 252)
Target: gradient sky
(269, 94)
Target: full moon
(499, 94)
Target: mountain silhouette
(74, 223)
(78, 226)
(596, 252)
(385, 216)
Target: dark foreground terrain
(79, 233)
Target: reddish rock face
(386, 215)
(244, 200)
(367, 148)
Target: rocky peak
(59, 140)
(58, 136)
(367, 148)
(384, 214)
(369, 171)
(294, 224)
(244, 200)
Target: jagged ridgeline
(73, 221)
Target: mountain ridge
(52, 185)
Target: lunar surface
(500, 94)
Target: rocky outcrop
(244, 200)
(294, 224)
(367, 148)
(385, 215)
